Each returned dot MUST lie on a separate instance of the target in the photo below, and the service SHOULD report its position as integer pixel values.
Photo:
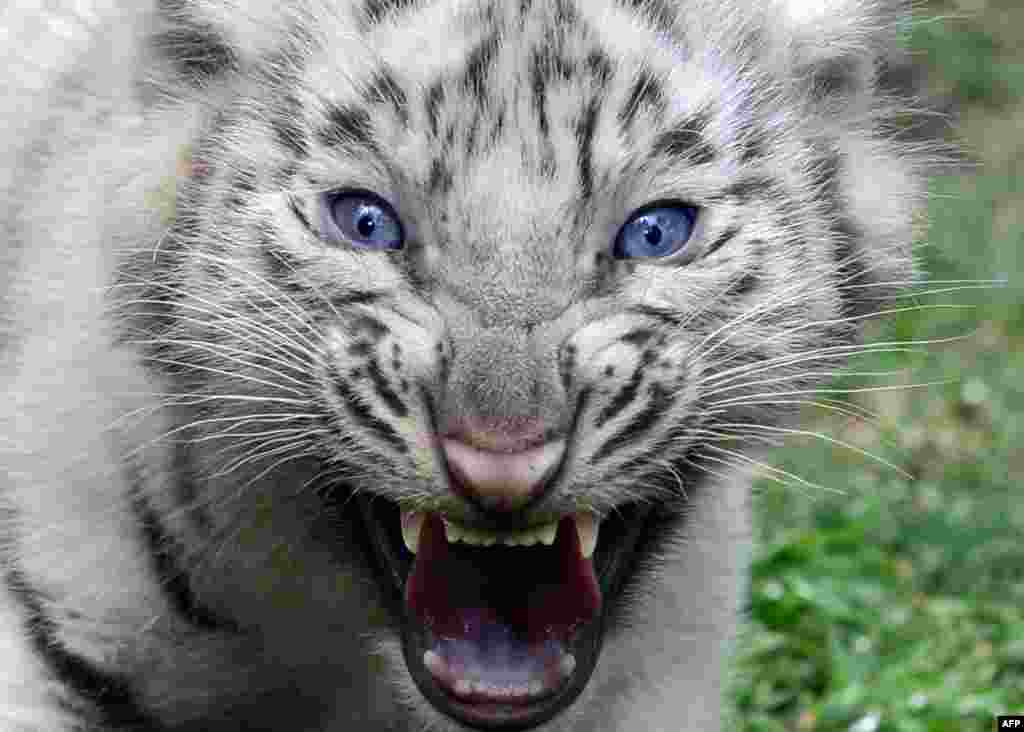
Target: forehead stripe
(660, 15)
(375, 11)
(647, 91)
(347, 127)
(383, 89)
(686, 141)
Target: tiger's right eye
(365, 220)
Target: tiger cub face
(487, 290)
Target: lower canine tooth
(434, 663)
(567, 665)
(547, 533)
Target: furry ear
(837, 52)
(203, 39)
(836, 48)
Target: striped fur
(198, 377)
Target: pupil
(366, 224)
(653, 235)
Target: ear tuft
(836, 48)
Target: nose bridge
(502, 382)
(508, 258)
(514, 283)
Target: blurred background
(891, 599)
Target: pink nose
(500, 481)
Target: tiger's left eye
(366, 220)
(656, 231)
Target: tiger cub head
(470, 298)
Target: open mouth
(502, 631)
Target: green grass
(893, 601)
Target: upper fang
(587, 526)
(412, 524)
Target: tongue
(501, 617)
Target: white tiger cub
(394, 364)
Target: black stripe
(585, 130)
(639, 337)
(600, 65)
(282, 177)
(348, 127)
(724, 238)
(431, 103)
(565, 15)
(439, 179)
(686, 141)
(567, 366)
(354, 298)
(750, 188)
(752, 147)
(282, 268)
(647, 91)
(376, 10)
(293, 206)
(359, 349)
(661, 400)
(834, 77)
(166, 556)
(111, 694)
(659, 14)
(383, 89)
(497, 128)
(851, 269)
(478, 66)
(627, 393)
(665, 315)
(538, 93)
(744, 285)
(367, 324)
(384, 390)
(288, 132)
(362, 414)
(471, 133)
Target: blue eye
(656, 232)
(366, 220)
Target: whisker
(828, 390)
(844, 408)
(222, 320)
(848, 351)
(770, 472)
(296, 315)
(826, 438)
(190, 366)
(222, 350)
(272, 417)
(789, 332)
(801, 376)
